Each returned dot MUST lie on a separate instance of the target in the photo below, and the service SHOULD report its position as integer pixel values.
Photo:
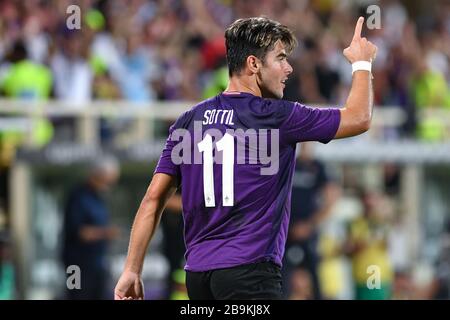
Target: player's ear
(253, 64)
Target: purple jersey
(236, 174)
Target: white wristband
(361, 65)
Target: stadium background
(116, 85)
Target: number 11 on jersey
(226, 144)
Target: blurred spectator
(179, 290)
(23, 78)
(301, 285)
(313, 196)
(139, 69)
(7, 275)
(218, 83)
(87, 230)
(367, 246)
(104, 86)
(72, 71)
(403, 287)
(441, 285)
(391, 173)
(333, 279)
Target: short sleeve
(165, 163)
(310, 124)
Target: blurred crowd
(147, 50)
(365, 256)
(348, 240)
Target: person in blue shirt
(87, 230)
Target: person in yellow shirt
(25, 80)
(367, 247)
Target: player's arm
(147, 219)
(357, 112)
(145, 223)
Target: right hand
(129, 287)
(360, 49)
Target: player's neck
(243, 84)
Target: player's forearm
(144, 227)
(147, 219)
(359, 103)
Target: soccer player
(236, 209)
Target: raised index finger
(358, 28)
